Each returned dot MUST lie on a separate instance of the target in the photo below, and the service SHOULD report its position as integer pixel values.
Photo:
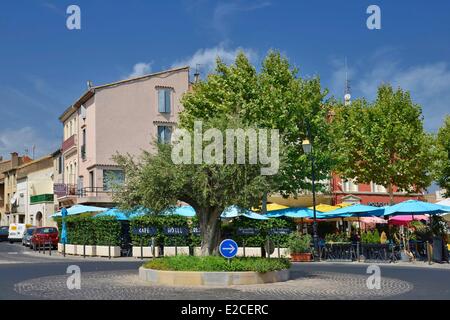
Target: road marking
(13, 253)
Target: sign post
(228, 248)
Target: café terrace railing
(368, 252)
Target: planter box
(102, 251)
(146, 252)
(90, 250)
(301, 257)
(197, 251)
(284, 253)
(249, 252)
(170, 251)
(70, 249)
(223, 279)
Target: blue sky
(44, 66)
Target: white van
(16, 231)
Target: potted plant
(300, 247)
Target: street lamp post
(307, 148)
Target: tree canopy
(383, 142)
(276, 97)
(443, 157)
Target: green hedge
(214, 263)
(84, 229)
(263, 226)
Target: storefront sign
(284, 231)
(247, 232)
(196, 231)
(378, 204)
(176, 231)
(60, 189)
(145, 231)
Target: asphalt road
(27, 276)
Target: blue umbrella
(64, 229)
(184, 211)
(79, 209)
(119, 215)
(235, 211)
(297, 213)
(412, 207)
(356, 210)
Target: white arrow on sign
(231, 248)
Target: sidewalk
(417, 264)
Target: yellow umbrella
(324, 207)
(271, 207)
(343, 204)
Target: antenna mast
(347, 96)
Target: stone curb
(195, 278)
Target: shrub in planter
(300, 247)
(370, 237)
(336, 238)
(80, 229)
(107, 231)
(264, 227)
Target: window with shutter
(164, 134)
(164, 100)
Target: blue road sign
(228, 248)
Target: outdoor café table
(339, 251)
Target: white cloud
(25, 138)
(140, 69)
(206, 58)
(429, 84)
(224, 10)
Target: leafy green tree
(443, 158)
(276, 98)
(155, 181)
(383, 142)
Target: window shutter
(168, 134)
(161, 100)
(167, 100)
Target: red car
(44, 236)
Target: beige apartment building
(12, 206)
(121, 117)
(35, 189)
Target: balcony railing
(69, 143)
(94, 192)
(74, 190)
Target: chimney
(197, 73)
(196, 77)
(14, 159)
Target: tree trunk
(391, 194)
(209, 219)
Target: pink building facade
(121, 117)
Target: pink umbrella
(404, 220)
(373, 220)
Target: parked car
(16, 231)
(26, 240)
(4, 232)
(44, 236)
